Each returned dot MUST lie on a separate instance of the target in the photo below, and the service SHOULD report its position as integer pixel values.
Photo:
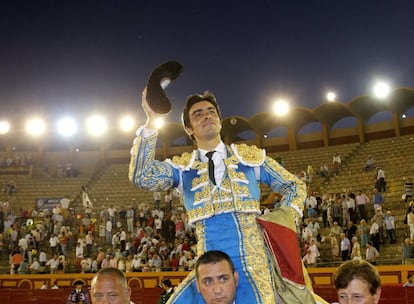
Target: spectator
(357, 282)
(313, 247)
(53, 242)
(23, 268)
(86, 202)
(168, 200)
(371, 254)
(157, 199)
(334, 247)
(167, 291)
(380, 182)
(53, 264)
(335, 230)
(345, 247)
(370, 164)
(311, 204)
(409, 282)
(374, 233)
(408, 251)
(108, 284)
(363, 232)
(45, 285)
(390, 227)
(55, 285)
(408, 190)
(377, 200)
(314, 227)
(309, 259)
(361, 201)
(379, 218)
(324, 171)
(336, 163)
(356, 249)
(112, 215)
(35, 266)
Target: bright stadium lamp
(4, 127)
(35, 127)
(67, 126)
(381, 89)
(126, 123)
(331, 96)
(96, 125)
(281, 107)
(159, 123)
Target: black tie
(211, 166)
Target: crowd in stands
(155, 236)
(15, 160)
(140, 237)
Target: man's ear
(377, 295)
(189, 131)
(198, 289)
(236, 278)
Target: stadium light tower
(36, 127)
(96, 125)
(4, 127)
(281, 107)
(67, 127)
(381, 90)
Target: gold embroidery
(183, 160)
(256, 262)
(249, 155)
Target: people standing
(345, 247)
(361, 201)
(380, 180)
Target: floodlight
(4, 127)
(96, 125)
(126, 123)
(281, 107)
(331, 96)
(67, 126)
(381, 90)
(159, 123)
(35, 127)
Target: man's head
(78, 284)
(215, 277)
(109, 285)
(410, 278)
(357, 282)
(166, 284)
(196, 109)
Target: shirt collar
(220, 149)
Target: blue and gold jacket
(238, 192)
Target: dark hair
(192, 100)
(356, 269)
(167, 282)
(213, 257)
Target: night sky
(79, 56)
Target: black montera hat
(158, 81)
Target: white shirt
(362, 199)
(218, 158)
